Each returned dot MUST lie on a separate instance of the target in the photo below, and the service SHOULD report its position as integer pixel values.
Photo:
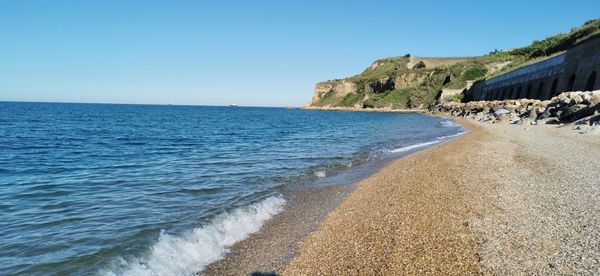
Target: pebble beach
(501, 199)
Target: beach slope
(502, 199)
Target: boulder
(501, 111)
(578, 99)
(504, 118)
(563, 112)
(533, 115)
(587, 98)
(566, 106)
(562, 98)
(576, 108)
(595, 98)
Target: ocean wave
(448, 123)
(321, 173)
(414, 146)
(424, 144)
(203, 190)
(451, 136)
(190, 253)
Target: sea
(113, 189)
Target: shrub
(560, 42)
(328, 99)
(474, 73)
(420, 64)
(350, 100)
(368, 104)
(457, 97)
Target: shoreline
(502, 199)
(267, 251)
(362, 234)
(275, 244)
(492, 201)
(355, 109)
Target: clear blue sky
(265, 53)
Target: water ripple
(83, 186)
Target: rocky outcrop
(407, 80)
(380, 85)
(579, 107)
(340, 88)
(450, 94)
(384, 75)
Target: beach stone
(565, 106)
(563, 112)
(595, 98)
(587, 98)
(576, 108)
(533, 114)
(503, 118)
(562, 98)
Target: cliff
(420, 82)
(397, 83)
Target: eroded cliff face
(339, 88)
(377, 81)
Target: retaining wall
(576, 69)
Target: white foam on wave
(415, 146)
(451, 136)
(191, 252)
(448, 123)
(424, 144)
(320, 174)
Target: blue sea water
(141, 189)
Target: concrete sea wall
(576, 69)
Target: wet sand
(502, 199)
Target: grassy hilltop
(414, 83)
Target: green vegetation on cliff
(388, 67)
(560, 42)
(409, 82)
(350, 99)
(396, 99)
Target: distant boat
(233, 105)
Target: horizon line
(161, 104)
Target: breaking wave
(321, 174)
(451, 136)
(424, 144)
(415, 146)
(190, 253)
(448, 123)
